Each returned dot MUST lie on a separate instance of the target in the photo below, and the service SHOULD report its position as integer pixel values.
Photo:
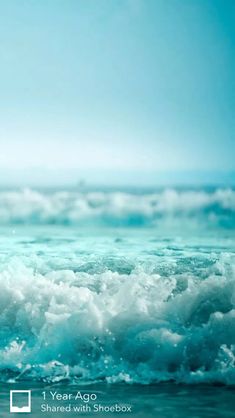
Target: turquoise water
(120, 288)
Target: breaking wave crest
(216, 208)
(137, 327)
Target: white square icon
(20, 401)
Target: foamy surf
(134, 310)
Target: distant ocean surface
(110, 286)
(207, 208)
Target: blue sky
(90, 87)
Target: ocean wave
(169, 206)
(140, 326)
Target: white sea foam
(138, 327)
